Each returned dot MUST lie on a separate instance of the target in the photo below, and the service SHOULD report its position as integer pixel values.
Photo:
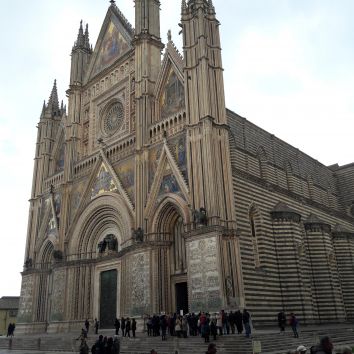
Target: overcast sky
(288, 68)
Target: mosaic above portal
(126, 173)
(104, 182)
(178, 149)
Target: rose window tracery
(113, 118)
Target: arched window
(254, 224)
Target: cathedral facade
(149, 196)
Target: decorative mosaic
(58, 294)
(60, 161)
(126, 173)
(104, 183)
(75, 200)
(172, 100)
(169, 184)
(178, 148)
(154, 156)
(112, 46)
(140, 284)
(203, 275)
(26, 300)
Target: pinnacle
(53, 103)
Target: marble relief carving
(58, 294)
(26, 300)
(140, 284)
(204, 275)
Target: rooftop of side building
(9, 302)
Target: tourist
(117, 326)
(206, 331)
(232, 322)
(109, 346)
(301, 349)
(149, 326)
(123, 326)
(213, 329)
(163, 325)
(219, 323)
(84, 349)
(127, 328)
(246, 319)
(211, 349)
(239, 321)
(96, 326)
(87, 325)
(98, 347)
(116, 344)
(325, 347)
(184, 326)
(294, 323)
(178, 327)
(133, 327)
(281, 321)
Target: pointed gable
(170, 85)
(113, 42)
(104, 182)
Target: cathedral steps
(272, 342)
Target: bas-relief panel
(126, 173)
(139, 284)
(104, 183)
(172, 100)
(113, 46)
(179, 150)
(58, 294)
(26, 300)
(203, 275)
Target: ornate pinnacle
(184, 5)
(112, 2)
(53, 103)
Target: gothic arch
(164, 212)
(105, 214)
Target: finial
(184, 5)
(112, 2)
(169, 35)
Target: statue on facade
(102, 246)
(58, 255)
(138, 235)
(111, 242)
(28, 263)
(200, 216)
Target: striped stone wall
(287, 263)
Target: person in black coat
(133, 327)
(123, 326)
(281, 321)
(127, 328)
(117, 326)
(238, 321)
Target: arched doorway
(173, 275)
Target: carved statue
(111, 242)
(58, 255)
(28, 263)
(102, 246)
(200, 216)
(138, 235)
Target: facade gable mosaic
(104, 182)
(114, 41)
(126, 174)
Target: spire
(53, 103)
(87, 38)
(80, 38)
(43, 109)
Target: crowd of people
(203, 324)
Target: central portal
(108, 298)
(182, 297)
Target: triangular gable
(103, 183)
(113, 41)
(126, 174)
(167, 180)
(170, 83)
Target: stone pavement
(272, 342)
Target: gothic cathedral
(149, 196)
